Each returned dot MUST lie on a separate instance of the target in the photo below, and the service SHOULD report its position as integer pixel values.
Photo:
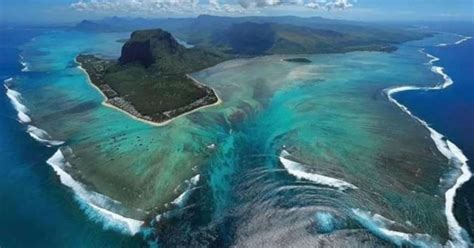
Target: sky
(68, 11)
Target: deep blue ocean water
(36, 210)
(451, 112)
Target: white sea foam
(190, 186)
(466, 38)
(447, 80)
(181, 200)
(296, 169)
(36, 133)
(378, 225)
(90, 201)
(42, 136)
(463, 39)
(450, 151)
(15, 99)
(432, 57)
(25, 66)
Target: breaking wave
(15, 99)
(90, 201)
(445, 147)
(42, 136)
(296, 169)
(463, 39)
(36, 133)
(24, 64)
(379, 226)
(183, 198)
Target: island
(151, 80)
(298, 60)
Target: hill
(266, 38)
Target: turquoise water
(294, 155)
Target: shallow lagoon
(332, 116)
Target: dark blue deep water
(35, 209)
(451, 112)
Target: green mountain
(251, 38)
(266, 38)
(159, 50)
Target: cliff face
(147, 46)
(137, 52)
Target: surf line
(25, 65)
(179, 202)
(445, 147)
(85, 198)
(296, 169)
(463, 39)
(22, 114)
(88, 200)
(379, 225)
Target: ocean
(451, 111)
(296, 155)
(36, 210)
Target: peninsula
(151, 78)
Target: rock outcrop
(146, 46)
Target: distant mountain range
(259, 35)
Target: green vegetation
(268, 38)
(150, 78)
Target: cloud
(136, 6)
(338, 4)
(313, 4)
(196, 6)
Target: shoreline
(447, 148)
(152, 123)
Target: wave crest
(16, 101)
(378, 225)
(296, 169)
(182, 199)
(42, 136)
